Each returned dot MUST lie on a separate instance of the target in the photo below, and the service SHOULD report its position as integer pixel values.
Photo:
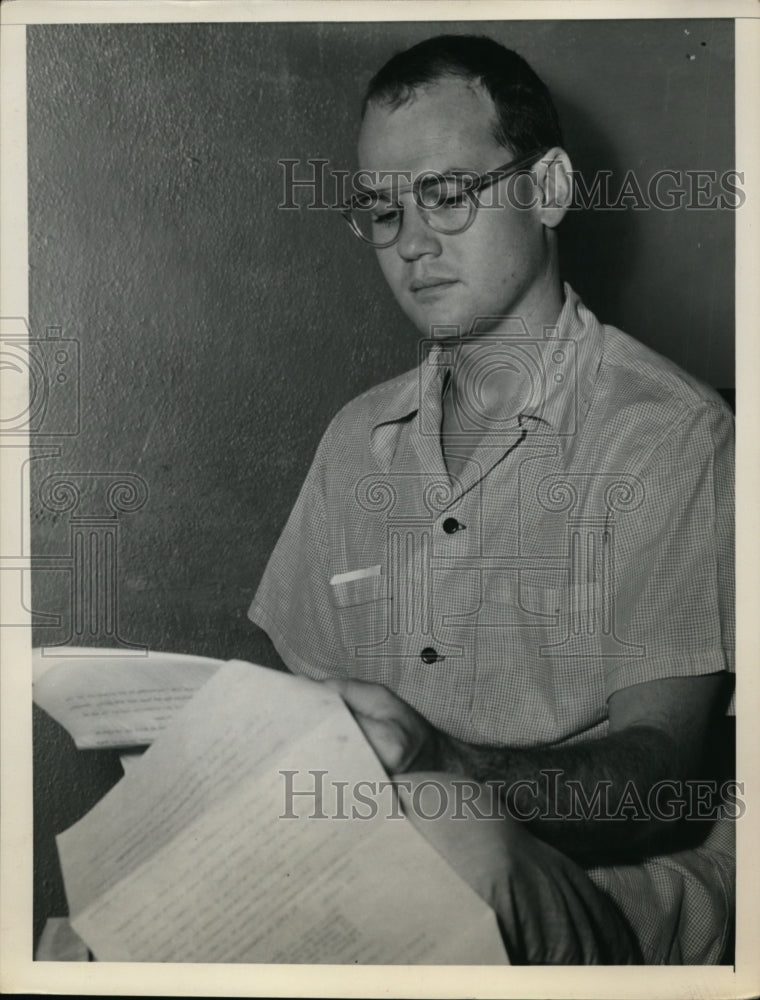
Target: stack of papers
(104, 700)
(206, 852)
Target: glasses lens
(445, 202)
(377, 223)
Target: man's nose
(416, 237)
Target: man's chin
(440, 323)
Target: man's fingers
(372, 700)
(548, 911)
(385, 739)
(336, 684)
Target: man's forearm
(591, 800)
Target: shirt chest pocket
(538, 674)
(361, 612)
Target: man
(515, 562)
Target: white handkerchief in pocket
(355, 574)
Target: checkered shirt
(586, 546)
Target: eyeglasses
(446, 203)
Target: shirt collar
(572, 350)
(571, 354)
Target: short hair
(526, 118)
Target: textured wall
(218, 335)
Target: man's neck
(491, 378)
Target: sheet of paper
(103, 700)
(59, 943)
(200, 855)
(130, 759)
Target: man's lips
(422, 284)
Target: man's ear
(554, 180)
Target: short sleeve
(292, 603)
(674, 557)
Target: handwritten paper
(103, 700)
(200, 855)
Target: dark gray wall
(218, 335)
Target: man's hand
(549, 911)
(399, 735)
(657, 733)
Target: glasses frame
(480, 182)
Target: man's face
(501, 264)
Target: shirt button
(450, 525)
(429, 655)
